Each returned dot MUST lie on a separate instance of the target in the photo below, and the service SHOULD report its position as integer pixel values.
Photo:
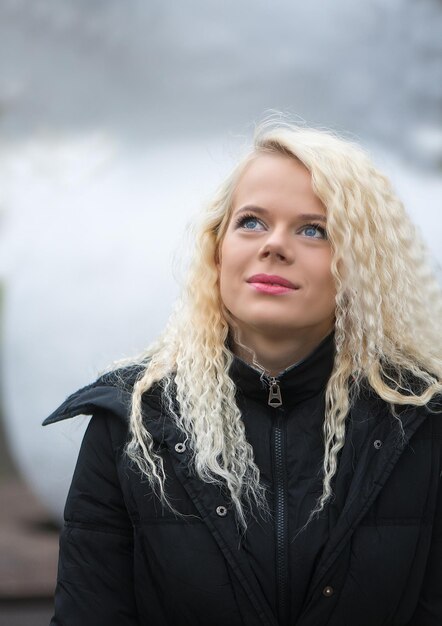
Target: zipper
(280, 504)
(275, 398)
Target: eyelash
(249, 216)
(319, 228)
(240, 221)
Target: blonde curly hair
(387, 329)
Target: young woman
(275, 457)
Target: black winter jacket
(127, 561)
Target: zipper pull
(275, 398)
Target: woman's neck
(272, 355)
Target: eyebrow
(302, 216)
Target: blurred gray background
(117, 120)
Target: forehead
(272, 180)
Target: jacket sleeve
(95, 570)
(429, 608)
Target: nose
(277, 247)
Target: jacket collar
(299, 382)
(112, 391)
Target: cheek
(318, 268)
(220, 261)
(227, 292)
(323, 277)
(330, 289)
(329, 280)
(230, 271)
(224, 281)
(228, 261)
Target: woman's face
(274, 260)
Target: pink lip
(271, 284)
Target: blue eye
(314, 231)
(249, 222)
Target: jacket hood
(111, 392)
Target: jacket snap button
(180, 447)
(328, 591)
(377, 444)
(221, 511)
